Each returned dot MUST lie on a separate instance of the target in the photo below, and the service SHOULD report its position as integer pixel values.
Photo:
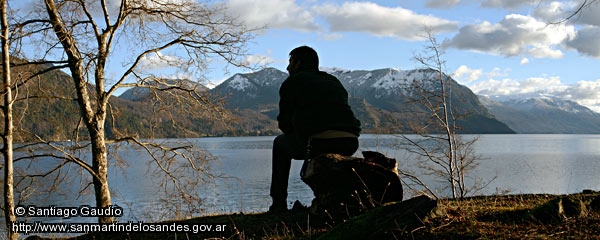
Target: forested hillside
(46, 108)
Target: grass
(490, 217)
(507, 217)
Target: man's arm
(285, 108)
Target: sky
(504, 48)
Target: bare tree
(83, 37)
(7, 133)
(443, 151)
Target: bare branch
(577, 12)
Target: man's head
(303, 58)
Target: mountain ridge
(377, 96)
(544, 114)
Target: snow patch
(364, 78)
(391, 80)
(333, 70)
(239, 82)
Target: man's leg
(285, 148)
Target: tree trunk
(450, 134)
(7, 137)
(94, 120)
(100, 167)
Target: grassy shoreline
(524, 216)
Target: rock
(595, 204)
(391, 221)
(558, 209)
(350, 185)
(588, 191)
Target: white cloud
(542, 84)
(442, 4)
(524, 61)
(464, 74)
(258, 60)
(589, 15)
(273, 14)
(158, 61)
(381, 21)
(586, 41)
(557, 11)
(331, 36)
(515, 35)
(508, 4)
(586, 93)
(551, 12)
(498, 72)
(531, 85)
(587, 90)
(494, 87)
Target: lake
(553, 164)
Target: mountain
(44, 105)
(377, 97)
(253, 99)
(401, 92)
(252, 89)
(139, 93)
(544, 114)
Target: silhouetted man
(315, 118)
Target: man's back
(314, 101)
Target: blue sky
(495, 47)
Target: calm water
(554, 164)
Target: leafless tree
(84, 37)
(443, 152)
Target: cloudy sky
(495, 47)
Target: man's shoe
(278, 207)
(298, 206)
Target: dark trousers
(286, 147)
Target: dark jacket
(313, 101)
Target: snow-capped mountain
(391, 89)
(385, 82)
(546, 103)
(543, 114)
(375, 95)
(248, 90)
